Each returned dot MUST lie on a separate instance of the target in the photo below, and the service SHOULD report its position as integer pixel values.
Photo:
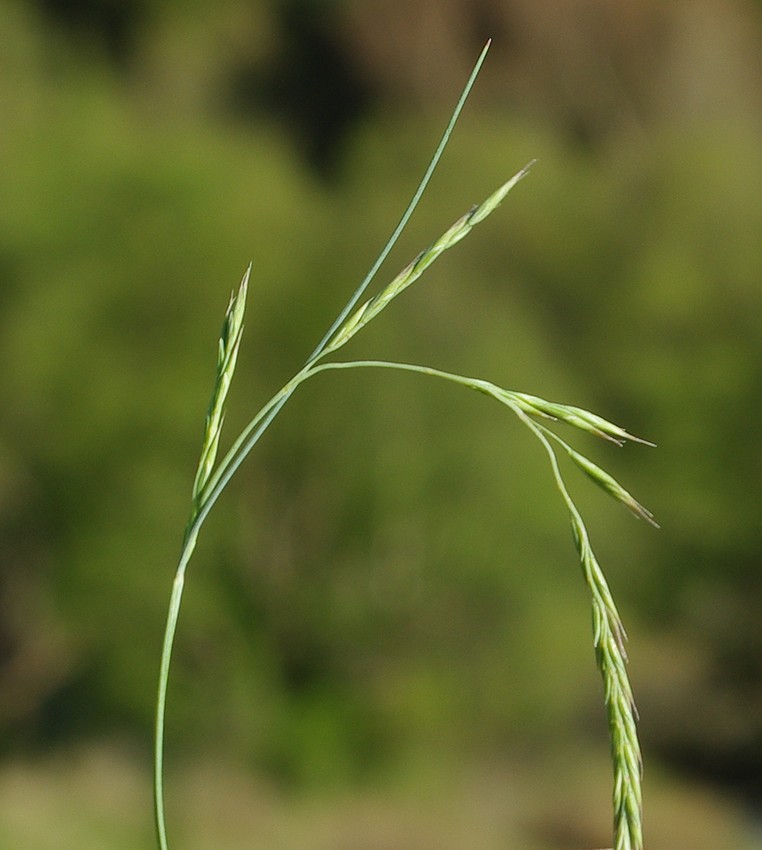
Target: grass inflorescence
(535, 413)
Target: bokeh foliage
(391, 574)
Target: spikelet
(227, 354)
(457, 231)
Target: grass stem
(212, 478)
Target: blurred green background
(385, 642)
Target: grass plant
(535, 413)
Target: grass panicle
(212, 478)
(609, 636)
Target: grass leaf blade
(358, 293)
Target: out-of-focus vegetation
(388, 594)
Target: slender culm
(538, 415)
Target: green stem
(410, 209)
(212, 488)
(161, 700)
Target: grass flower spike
(535, 413)
(577, 417)
(459, 230)
(227, 354)
(610, 485)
